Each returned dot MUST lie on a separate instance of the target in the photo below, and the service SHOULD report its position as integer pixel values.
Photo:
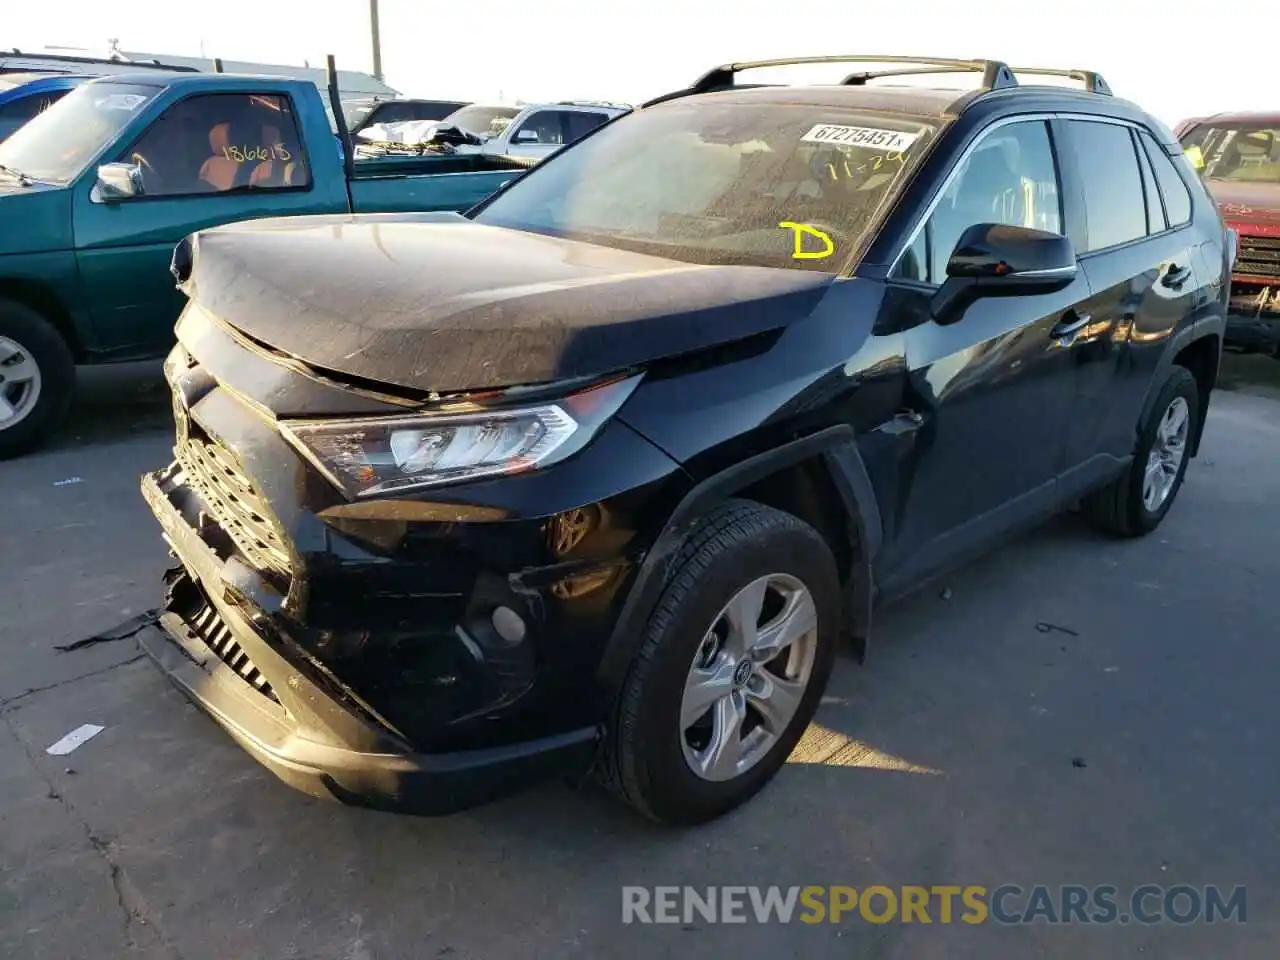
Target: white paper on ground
(80, 735)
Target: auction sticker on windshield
(120, 101)
(894, 141)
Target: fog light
(508, 625)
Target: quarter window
(1177, 199)
(216, 143)
(1155, 211)
(1011, 179)
(1114, 203)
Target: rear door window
(217, 143)
(1115, 206)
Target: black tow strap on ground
(122, 632)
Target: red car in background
(1238, 157)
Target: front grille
(233, 503)
(205, 623)
(1259, 257)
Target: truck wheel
(37, 379)
(734, 661)
(1135, 502)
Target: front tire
(37, 379)
(1134, 503)
(734, 661)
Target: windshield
(1244, 152)
(59, 143)
(769, 184)
(480, 120)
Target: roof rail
(995, 73)
(1092, 80)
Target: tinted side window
(1011, 178)
(220, 142)
(1114, 204)
(580, 124)
(545, 126)
(1155, 210)
(1177, 199)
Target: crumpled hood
(436, 302)
(35, 218)
(1241, 202)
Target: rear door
(1138, 252)
(992, 390)
(208, 159)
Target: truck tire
(1134, 503)
(37, 379)
(677, 761)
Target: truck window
(579, 124)
(16, 113)
(62, 141)
(543, 126)
(214, 143)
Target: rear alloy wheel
(1135, 502)
(731, 667)
(37, 378)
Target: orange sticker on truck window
(802, 230)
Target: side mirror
(996, 260)
(526, 136)
(119, 181)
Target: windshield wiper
(18, 175)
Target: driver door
(992, 390)
(208, 159)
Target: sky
(1175, 58)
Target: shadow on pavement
(115, 402)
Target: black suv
(600, 474)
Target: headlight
(384, 455)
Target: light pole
(377, 43)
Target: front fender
(834, 449)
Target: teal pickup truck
(97, 190)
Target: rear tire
(1130, 506)
(37, 379)
(739, 551)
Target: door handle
(1071, 322)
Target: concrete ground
(1139, 747)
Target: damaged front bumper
(216, 642)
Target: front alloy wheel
(730, 666)
(748, 677)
